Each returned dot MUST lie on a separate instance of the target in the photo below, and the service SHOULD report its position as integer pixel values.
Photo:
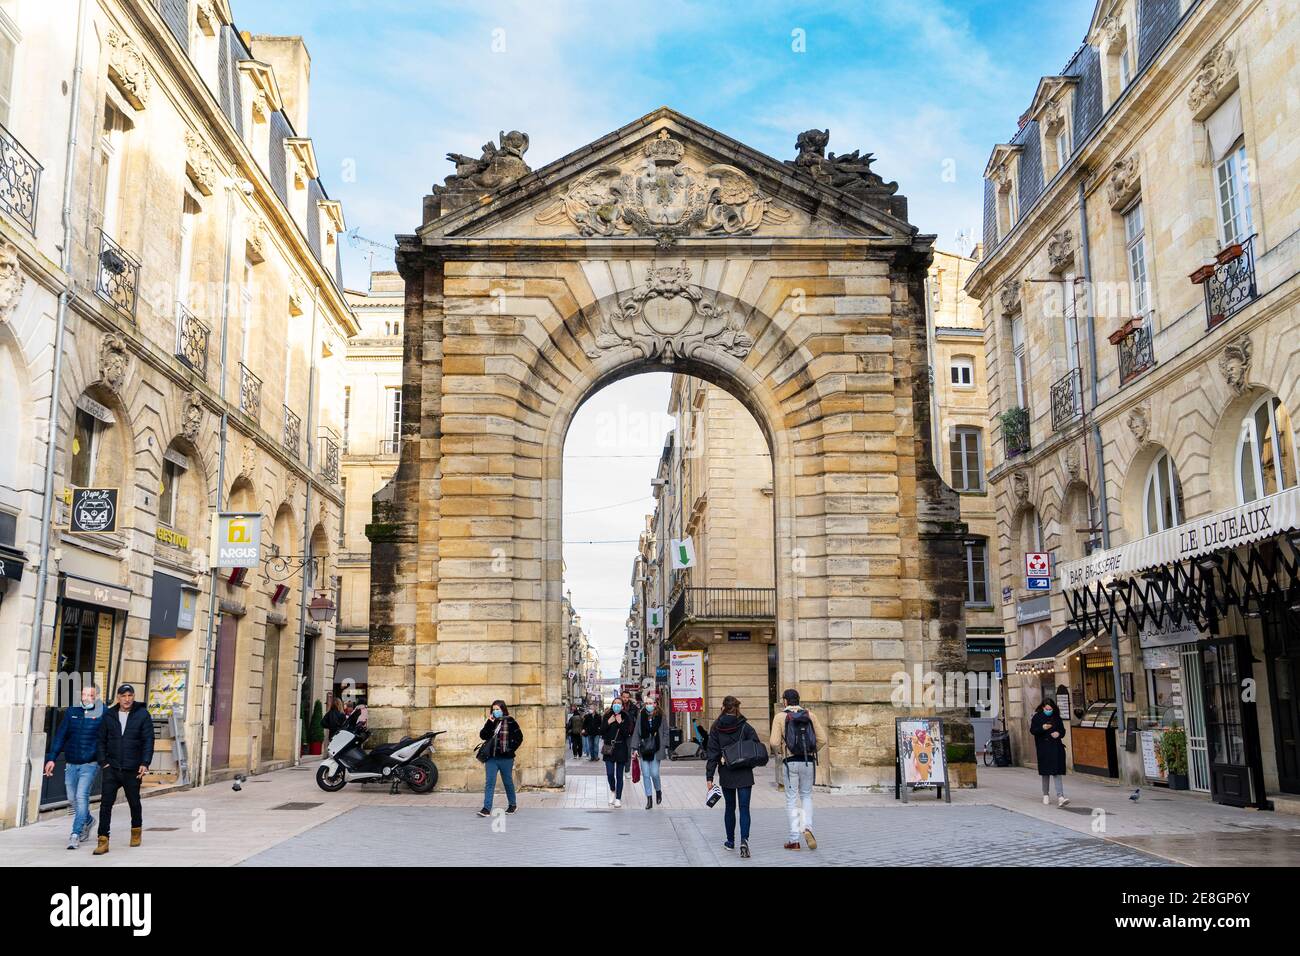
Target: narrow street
(283, 819)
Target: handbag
(744, 754)
(636, 769)
(481, 751)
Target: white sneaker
(611, 798)
(1046, 799)
(618, 802)
(1062, 801)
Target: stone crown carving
(1213, 73)
(12, 279)
(1123, 181)
(1234, 364)
(200, 165)
(664, 197)
(1060, 250)
(113, 361)
(667, 318)
(127, 69)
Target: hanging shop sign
(93, 511)
(11, 568)
(687, 685)
(1226, 529)
(1038, 570)
(1168, 634)
(683, 552)
(654, 617)
(236, 540)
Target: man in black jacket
(125, 750)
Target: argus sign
(236, 540)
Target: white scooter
(403, 762)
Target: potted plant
(1228, 253)
(316, 730)
(1173, 755)
(1015, 430)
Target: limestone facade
(1139, 291)
(795, 286)
(196, 218)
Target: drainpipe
(52, 426)
(306, 533)
(1104, 509)
(205, 742)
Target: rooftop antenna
(356, 241)
(963, 241)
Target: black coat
(591, 725)
(514, 737)
(127, 750)
(617, 733)
(726, 730)
(1051, 750)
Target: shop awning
(1191, 539)
(1043, 657)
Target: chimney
(289, 59)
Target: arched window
(1265, 451)
(1162, 497)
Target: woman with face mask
(1049, 740)
(616, 731)
(501, 737)
(650, 742)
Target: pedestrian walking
(650, 743)
(616, 731)
(1049, 740)
(501, 738)
(124, 749)
(78, 740)
(591, 732)
(575, 732)
(737, 782)
(797, 735)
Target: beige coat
(777, 741)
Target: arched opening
(1265, 459)
(278, 646)
(99, 451)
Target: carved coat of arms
(667, 318)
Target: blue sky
(924, 85)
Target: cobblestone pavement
(895, 836)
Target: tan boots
(101, 847)
(135, 836)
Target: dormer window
(205, 40)
(262, 98)
(1003, 172)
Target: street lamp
(321, 608)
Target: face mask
(496, 712)
(618, 708)
(88, 705)
(649, 708)
(1047, 712)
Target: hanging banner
(94, 511)
(683, 551)
(686, 687)
(236, 540)
(654, 617)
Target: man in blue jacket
(124, 751)
(78, 739)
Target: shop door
(1198, 755)
(270, 689)
(81, 647)
(1232, 734)
(223, 690)
(1282, 650)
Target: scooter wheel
(422, 776)
(331, 784)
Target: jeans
(506, 767)
(591, 746)
(114, 780)
(575, 742)
(1060, 783)
(614, 770)
(732, 797)
(78, 778)
(650, 775)
(799, 776)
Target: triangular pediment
(665, 177)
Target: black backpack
(800, 737)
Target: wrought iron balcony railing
(1015, 431)
(329, 459)
(390, 446)
(292, 437)
(1067, 399)
(722, 604)
(117, 276)
(192, 335)
(20, 180)
(1135, 350)
(1230, 285)
(250, 392)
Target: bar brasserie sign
(93, 511)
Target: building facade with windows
(372, 412)
(143, 355)
(1139, 289)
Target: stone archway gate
(797, 286)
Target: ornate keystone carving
(1122, 184)
(297, 296)
(665, 198)
(199, 163)
(667, 318)
(1212, 74)
(12, 279)
(127, 69)
(1073, 462)
(1020, 486)
(248, 459)
(191, 416)
(1139, 423)
(1234, 363)
(1009, 296)
(1060, 250)
(257, 240)
(112, 361)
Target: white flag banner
(683, 553)
(654, 617)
